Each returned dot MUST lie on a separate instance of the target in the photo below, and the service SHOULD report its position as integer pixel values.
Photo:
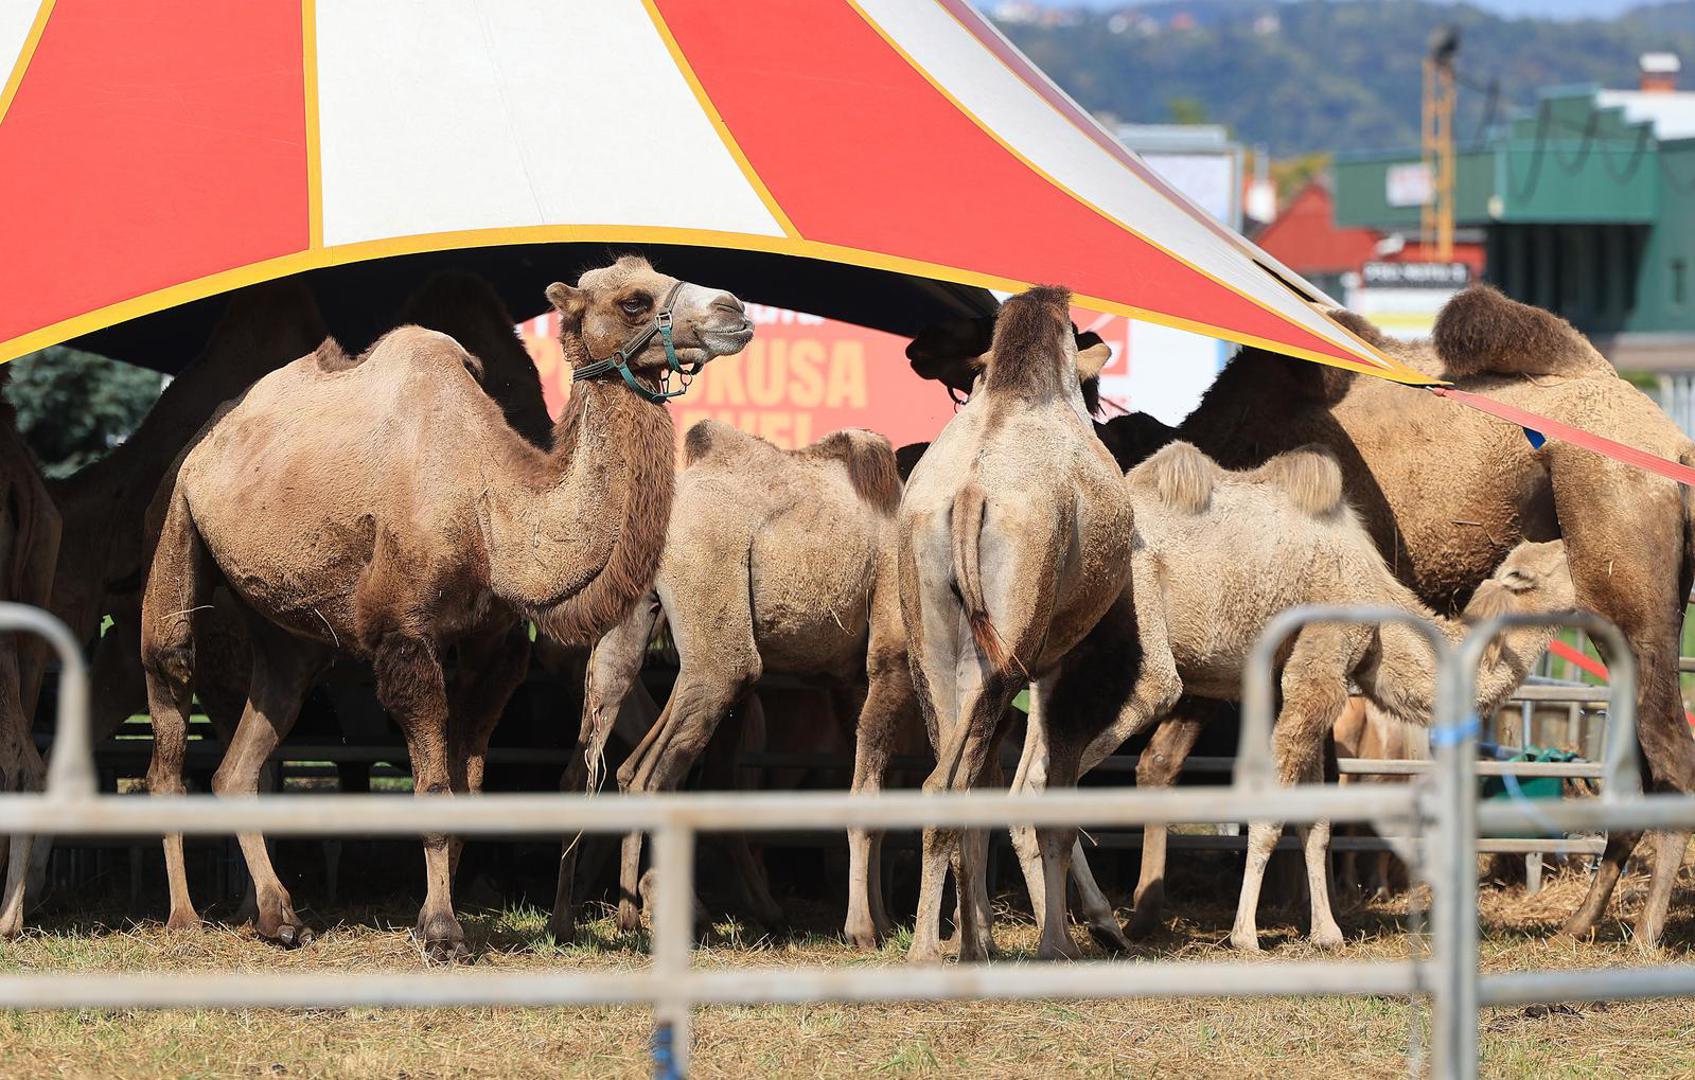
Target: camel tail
(968, 508)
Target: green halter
(619, 361)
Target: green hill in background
(1321, 75)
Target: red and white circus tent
(160, 153)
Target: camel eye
(633, 305)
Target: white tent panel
(439, 116)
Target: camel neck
(577, 543)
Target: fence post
(673, 946)
(1454, 993)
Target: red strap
(1553, 429)
(1590, 664)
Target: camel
(777, 561)
(1446, 492)
(102, 565)
(1218, 554)
(1013, 542)
(1363, 731)
(105, 503)
(29, 544)
(383, 507)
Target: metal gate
(1443, 813)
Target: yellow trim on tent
(284, 265)
(25, 55)
(314, 142)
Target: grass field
(1289, 1038)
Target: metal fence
(1443, 811)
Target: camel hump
(710, 437)
(420, 345)
(1481, 331)
(331, 357)
(1309, 476)
(1181, 475)
(870, 462)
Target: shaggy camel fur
(29, 545)
(779, 561)
(1013, 542)
(1218, 554)
(384, 508)
(1446, 492)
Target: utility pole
(1436, 219)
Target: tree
(74, 406)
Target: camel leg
(411, 686)
(1668, 860)
(888, 705)
(960, 762)
(614, 672)
(1160, 765)
(284, 668)
(178, 582)
(1056, 847)
(491, 666)
(697, 706)
(26, 774)
(1315, 690)
(1645, 601)
(721, 771)
(1582, 922)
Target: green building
(1586, 206)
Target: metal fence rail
(1442, 809)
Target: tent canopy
(883, 161)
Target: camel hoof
(1111, 939)
(1064, 949)
(562, 930)
(1328, 940)
(181, 921)
(12, 930)
(1244, 941)
(1144, 923)
(930, 954)
(862, 938)
(443, 940)
(291, 935)
(1576, 929)
(629, 918)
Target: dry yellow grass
(1289, 1038)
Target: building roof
(1672, 114)
(1306, 237)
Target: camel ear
(1090, 361)
(567, 301)
(1517, 581)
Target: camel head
(612, 306)
(1533, 578)
(1034, 352)
(953, 352)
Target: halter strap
(620, 359)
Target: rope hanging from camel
(1542, 427)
